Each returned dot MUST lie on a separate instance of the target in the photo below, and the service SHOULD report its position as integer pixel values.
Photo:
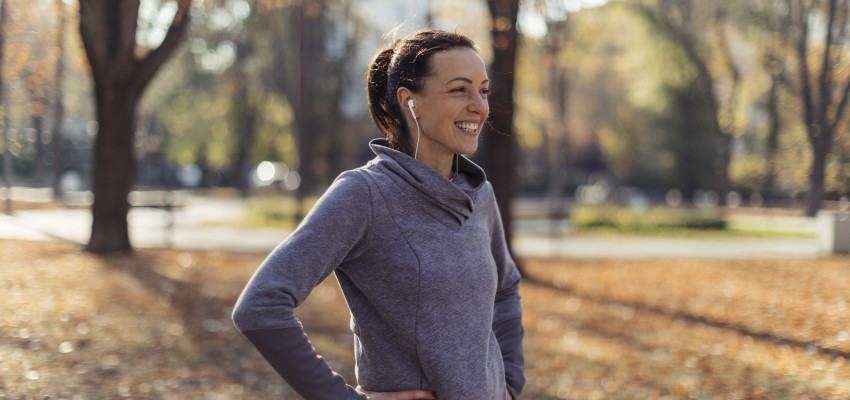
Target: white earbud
(410, 106)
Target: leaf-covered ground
(156, 325)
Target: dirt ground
(156, 325)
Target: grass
(156, 325)
(663, 221)
(279, 212)
(728, 233)
(275, 211)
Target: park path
(206, 223)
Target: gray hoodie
(423, 264)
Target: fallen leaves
(702, 329)
(157, 325)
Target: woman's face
(452, 105)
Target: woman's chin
(468, 150)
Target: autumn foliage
(157, 325)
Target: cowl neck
(456, 198)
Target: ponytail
(385, 112)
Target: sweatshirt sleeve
(329, 235)
(293, 357)
(507, 310)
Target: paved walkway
(202, 224)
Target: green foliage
(642, 221)
(630, 95)
(636, 95)
(689, 139)
(275, 211)
(748, 172)
(275, 139)
(271, 212)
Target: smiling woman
(415, 241)
(450, 108)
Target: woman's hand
(406, 395)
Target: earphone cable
(416, 152)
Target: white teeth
(469, 127)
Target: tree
(500, 145)
(693, 26)
(306, 27)
(312, 77)
(256, 101)
(58, 105)
(824, 84)
(108, 31)
(38, 78)
(7, 164)
(766, 27)
(549, 79)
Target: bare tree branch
(93, 34)
(125, 33)
(156, 57)
(842, 105)
(722, 43)
(825, 78)
(844, 93)
(799, 15)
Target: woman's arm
(507, 326)
(332, 233)
(507, 309)
(293, 357)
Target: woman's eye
(485, 91)
(459, 89)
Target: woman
(416, 243)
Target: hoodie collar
(456, 199)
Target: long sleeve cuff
(293, 357)
(510, 333)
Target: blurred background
(659, 163)
(636, 103)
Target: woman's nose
(478, 104)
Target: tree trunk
(722, 184)
(59, 106)
(38, 160)
(307, 38)
(500, 150)
(769, 189)
(816, 175)
(7, 164)
(114, 169)
(244, 123)
(7, 159)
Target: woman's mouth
(467, 127)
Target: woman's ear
(403, 96)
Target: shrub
(651, 219)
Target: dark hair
(405, 64)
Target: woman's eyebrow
(467, 80)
